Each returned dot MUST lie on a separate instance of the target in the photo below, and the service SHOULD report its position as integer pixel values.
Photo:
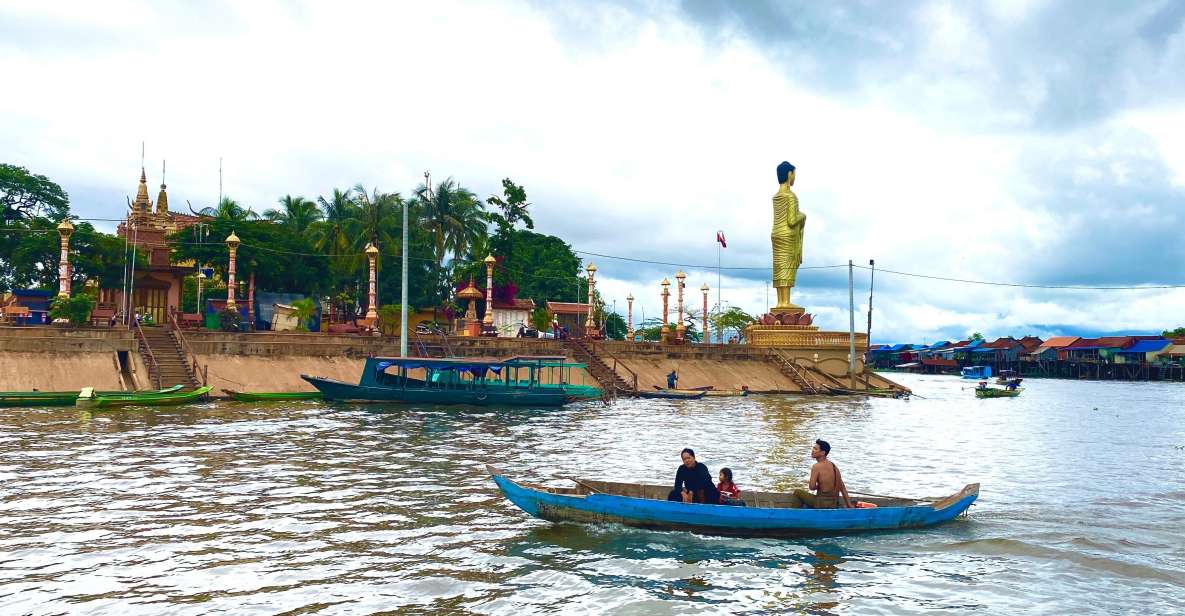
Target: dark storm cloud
(1060, 67)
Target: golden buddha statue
(786, 238)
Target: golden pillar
(489, 318)
(629, 327)
(232, 244)
(666, 299)
(65, 230)
(705, 289)
(372, 296)
(680, 328)
(589, 324)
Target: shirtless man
(826, 481)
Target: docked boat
(60, 398)
(997, 392)
(523, 380)
(674, 394)
(90, 398)
(767, 514)
(1007, 376)
(976, 372)
(276, 396)
(876, 392)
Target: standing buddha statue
(786, 238)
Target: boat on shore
(99, 400)
(276, 396)
(522, 380)
(766, 515)
(63, 398)
(997, 392)
(876, 392)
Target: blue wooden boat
(976, 372)
(767, 514)
(517, 381)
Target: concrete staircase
(172, 367)
(610, 381)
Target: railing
(795, 372)
(146, 352)
(614, 375)
(195, 368)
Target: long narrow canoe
(255, 396)
(767, 514)
(674, 394)
(995, 392)
(876, 392)
(172, 399)
(63, 398)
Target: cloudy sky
(1039, 143)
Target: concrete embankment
(49, 359)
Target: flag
(720, 238)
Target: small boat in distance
(977, 372)
(674, 394)
(249, 396)
(766, 515)
(522, 380)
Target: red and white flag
(720, 238)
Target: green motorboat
(995, 392)
(278, 396)
(65, 398)
(97, 400)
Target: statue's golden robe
(787, 237)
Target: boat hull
(171, 399)
(998, 393)
(673, 394)
(653, 514)
(248, 396)
(338, 390)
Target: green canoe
(65, 398)
(169, 399)
(255, 396)
(993, 392)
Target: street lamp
(232, 243)
(372, 298)
(629, 328)
(489, 318)
(589, 324)
(704, 289)
(679, 326)
(65, 230)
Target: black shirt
(696, 479)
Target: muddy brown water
(348, 509)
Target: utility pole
(871, 282)
(851, 326)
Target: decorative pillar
(372, 297)
(232, 243)
(489, 318)
(704, 288)
(679, 326)
(65, 230)
(666, 300)
(629, 327)
(251, 299)
(589, 324)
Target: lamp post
(679, 326)
(589, 324)
(704, 288)
(666, 300)
(629, 309)
(372, 297)
(65, 229)
(232, 243)
(489, 318)
(200, 276)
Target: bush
(77, 310)
(389, 316)
(305, 309)
(230, 320)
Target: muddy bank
(719, 374)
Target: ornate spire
(162, 202)
(142, 204)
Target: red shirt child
(727, 488)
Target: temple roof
(142, 203)
(162, 201)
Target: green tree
(30, 249)
(977, 336)
(283, 261)
(511, 206)
(304, 309)
(543, 267)
(228, 210)
(1174, 333)
(453, 216)
(25, 195)
(336, 233)
(615, 327)
(77, 310)
(732, 320)
(296, 214)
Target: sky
(1035, 143)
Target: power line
(1029, 286)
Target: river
(315, 508)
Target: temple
(157, 288)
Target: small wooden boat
(674, 394)
(996, 392)
(767, 513)
(155, 399)
(525, 380)
(876, 392)
(251, 396)
(62, 398)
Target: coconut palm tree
(453, 216)
(378, 216)
(339, 224)
(296, 213)
(228, 209)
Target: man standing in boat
(693, 482)
(826, 481)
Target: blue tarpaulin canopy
(1147, 346)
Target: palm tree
(453, 216)
(338, 225)
(228, 209)
(378, 216)
(296, 213)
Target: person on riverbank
(693, 481)
(673, 379)
(730, 494)
(826, 482)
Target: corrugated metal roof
(1148, 346)
(1058, 342)
(567, 308)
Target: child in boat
(730, 494)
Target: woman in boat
(693, 481)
